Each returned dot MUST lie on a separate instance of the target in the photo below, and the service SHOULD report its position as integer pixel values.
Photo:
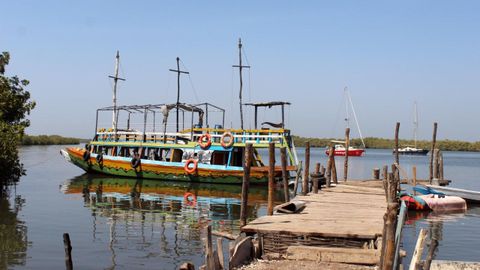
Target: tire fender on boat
(86, 155)
(193, 169)
(135, 162)
(229, 143)
(205, 141)
(99, 158)
(190, 199)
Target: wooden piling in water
(245, 184)
(397, 130)
(434, 140)
(68, 251)
(271, 177)
(347, 145)
(376, 173)
(334, 171)
(297, 176)
(435, 164)
(414, 178)
(417, 253)
(221, 257)
(209, 260)
(283, 157)
(328, 174)
(307, 169)
(440, 167)
(316, 179)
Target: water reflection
(13, 233)
(159, 218)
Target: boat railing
(239, 136)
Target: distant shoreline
(381, 143)
(49, 140)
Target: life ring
(99, 158)
(86, 155)
(135, 162)
(230, 141)
(205, 141)
(193, 169)
(190, 199)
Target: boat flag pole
(115, 80)
(178, 71)
(240, 67)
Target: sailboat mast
(354, 116)
(347, 113)
(115, 81)
(415, 123)
(240, 67)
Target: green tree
(15, 105)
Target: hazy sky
(388, 54)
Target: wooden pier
(341, 224)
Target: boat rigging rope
(191, 82)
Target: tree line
(48, 140)
(381, 143)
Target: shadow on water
(161, 218)
(13, 233)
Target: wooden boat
(195, 154)
(339, 150)
(434, 202)
(413, 150)
(469, 195)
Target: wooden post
(397, 130)
(316, 179)
(347, 145)
(297, 176)
(68, 251)
(271, 177)
(209, 260)
(435, 164)
(245, 184)
(417, 254)
(307, 169)
(414, 176)
(283, 156)
(376, 173)
(434, 141)
(385, 172)
(329, 164)
(334, 171)
(389, 249)
(440, 167)
(221, 258)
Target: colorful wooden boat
(195, 154)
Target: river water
(117, 223)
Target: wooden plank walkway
(338, 217)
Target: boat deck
(342, 224)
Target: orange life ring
(229, 143)
(193, 169)
(205, 141)
(188, 201)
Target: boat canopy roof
(268, 104)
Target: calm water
(127, 224)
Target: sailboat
(339, 147)
(409, 150)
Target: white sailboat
(409, 150)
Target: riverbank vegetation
(48, 140)
(381, 143)
(15, 105)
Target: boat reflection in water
(150, 218)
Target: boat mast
(178, 71)
(240, 67)
(415, 123)
(115, 80)
(347, 113)
(354, 115)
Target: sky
(389, 54)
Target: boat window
(237, 157)
(176, 155)
(219, 158)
